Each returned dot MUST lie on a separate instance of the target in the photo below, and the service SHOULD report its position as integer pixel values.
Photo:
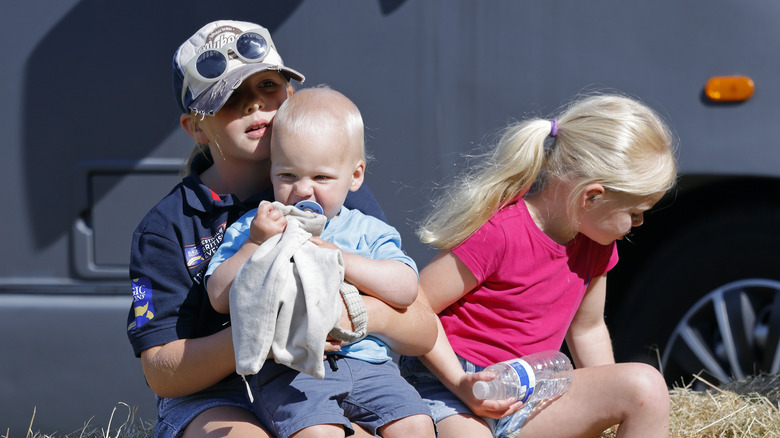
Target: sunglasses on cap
(251, 46)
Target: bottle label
(526, 374)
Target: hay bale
(767, 385)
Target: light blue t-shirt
(353, 232)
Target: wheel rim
(730, 333)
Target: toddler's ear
(193, 128)
(357, 176)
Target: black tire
(709, 253)
(731, 333)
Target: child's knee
(408, 427)
(321, 431)
(649, 386)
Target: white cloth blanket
(285, 299)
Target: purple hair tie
(554, 127)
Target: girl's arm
(444, 364)
(442, 282)
(445, 280)
(588, 338)
(186, 366)
(410, 331)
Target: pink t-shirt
(529, 288)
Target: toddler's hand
(267, 222)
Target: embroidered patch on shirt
(143, 306)
(202, 251)
(194, 256)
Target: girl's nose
(254, 103)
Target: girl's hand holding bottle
(485, 408)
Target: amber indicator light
(729, 88)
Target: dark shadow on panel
(98, 87)
(389, 6)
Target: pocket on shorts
(415, 372)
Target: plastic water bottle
(538, 376)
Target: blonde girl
(526, 239)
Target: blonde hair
(322, 111)
(198, 149)
(607, 139)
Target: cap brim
(212, 99)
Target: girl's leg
(360, 432)
(321, 431)
(225, 421)
(632, 395)
(409, 427)
(463, 426)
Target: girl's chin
(262, 151)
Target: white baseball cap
(211, 64)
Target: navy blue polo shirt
(171, 249)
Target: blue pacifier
(309, 206)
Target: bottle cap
(481, 389)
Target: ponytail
(500, 179)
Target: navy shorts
(443, 403)
(174, 414)
(369, 394)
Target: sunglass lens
(252, 46)
(211, 64)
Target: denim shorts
(443, 403)
(369, 394)
(174, 414)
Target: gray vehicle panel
(91, 138)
